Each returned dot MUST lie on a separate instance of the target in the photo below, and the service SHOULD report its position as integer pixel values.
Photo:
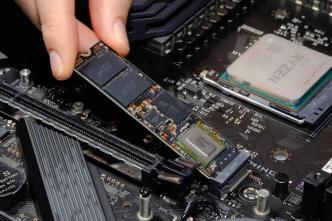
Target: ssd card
(159, 112)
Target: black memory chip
(127, 87)
(155, 119)
(103, 68)
(171, 107)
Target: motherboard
(222, 114)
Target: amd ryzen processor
(281, 69)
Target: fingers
(87, 38)
(60, 33)
(64, 35)
(30, 9)
(109, 22)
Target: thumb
(109, 22)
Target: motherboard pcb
(148, 121)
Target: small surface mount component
(282, 77)
(162, 114)
(60, 178)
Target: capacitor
(231, 7)
(13, 185)
(207, 27)
(316, 5)
(145, 212)
(215, 20)
(239, 5)
(223, 13)
(199, 36)
(329, 7)
(299, 2)
(25, 80)
(246, 6)
(180, 52)
(190, 41)
(280, 185)
(232, 15)
(262, 206)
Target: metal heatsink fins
(62, 182)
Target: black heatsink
(155, 18)
(63, 184)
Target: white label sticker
(328, 167)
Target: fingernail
(121, 33)
(56, 64)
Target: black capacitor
(239, 4)
(180, 52)
(223, 13)
(199, 36)
(215, 20)
(231, 7)
(222, 31)
(190, 41)
(238, 10)
(246, 7)
(232, 15)
(327, 210)
(280, 185)
(254, 4)
(246, 3)
(329, 6)
(207, 27)
(12, 186)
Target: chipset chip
(202, 147)
(127, 87)
(103, 68)
(171, 107)
(280, 68)
(202, 144)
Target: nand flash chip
(285, 76)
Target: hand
(65, 36)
